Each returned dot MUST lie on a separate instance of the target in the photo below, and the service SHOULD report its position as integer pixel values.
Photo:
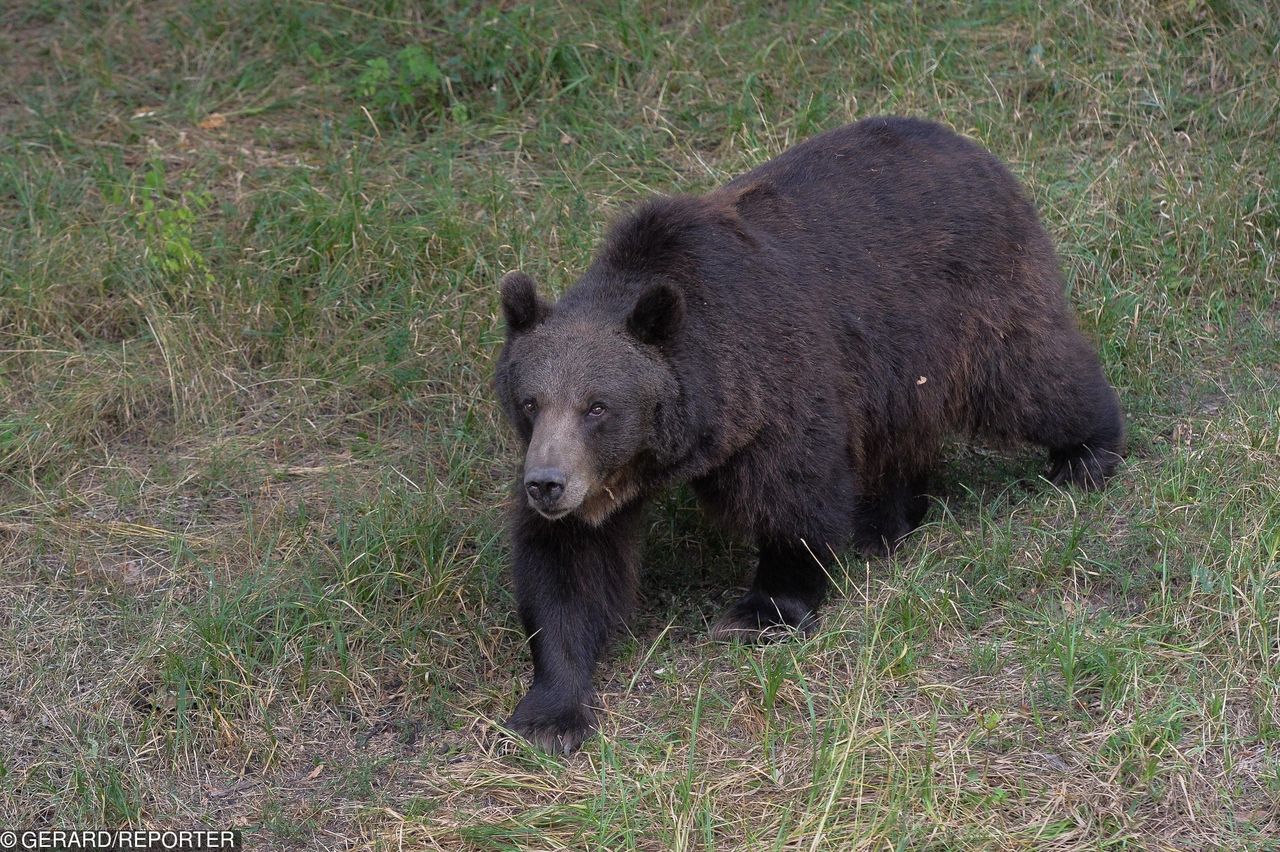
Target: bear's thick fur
(795, 345)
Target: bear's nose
(545, 485)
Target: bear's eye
(530, 405)
(596, 409)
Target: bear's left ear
(657, 314)
(522, 307)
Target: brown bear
(795, 346)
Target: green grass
(251, 560)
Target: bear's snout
(557, 464)
(545, 486)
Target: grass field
(252, 569)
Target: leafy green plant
(169, 225)
(409, 82)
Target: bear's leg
(896, 508)
(790, 583)
(575, 584)
(1068, 407)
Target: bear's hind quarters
(761, 618)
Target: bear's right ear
(522, 307)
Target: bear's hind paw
(555, 732)
(758, 617)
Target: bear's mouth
(552, 515)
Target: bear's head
(586, 387)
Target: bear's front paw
(758, 617)
(552, 725)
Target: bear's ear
(522, 307)
(657, 314)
